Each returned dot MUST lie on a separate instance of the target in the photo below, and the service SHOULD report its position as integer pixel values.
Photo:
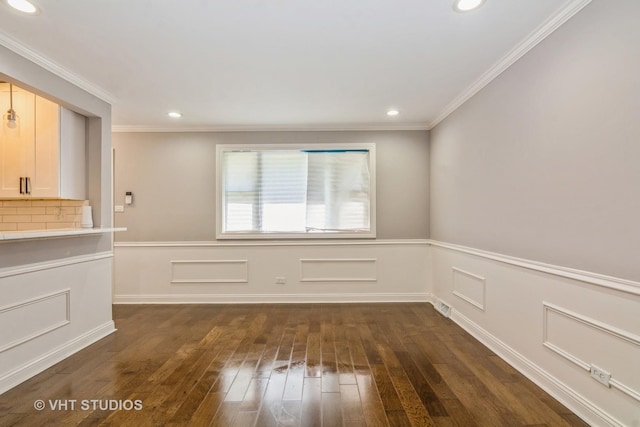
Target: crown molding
(54, 68)
(571, 8)
(275, 128)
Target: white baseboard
(34, 367)
(566, 395)
(273, 299)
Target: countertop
(46, 234)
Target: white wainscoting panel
(338, 270)
(51, 310)
(33, 318)
(323, 271)
(469, 287)
(574, 336)
(551, 323)
(210, 271)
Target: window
(293, 191)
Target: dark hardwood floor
(283, 365)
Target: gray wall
(544, 162)
(172, 176)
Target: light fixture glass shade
(11, 119)
(11, 126)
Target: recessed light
(24, 6)
(393, 112)
(466, 5)
(175, 114)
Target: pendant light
(11, 117)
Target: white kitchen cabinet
(45, 156)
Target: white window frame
(221, 148)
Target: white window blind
(296, 191)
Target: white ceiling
(280, 64)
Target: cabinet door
(72, 155)
(16, 145)
(45, 173)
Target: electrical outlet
(280, 280)
(600, 375)
(119, 208)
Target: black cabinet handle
(28, 185)
(21, 185)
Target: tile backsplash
(38, 214)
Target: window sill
(296, 236)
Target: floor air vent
(443, 308)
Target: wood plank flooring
(399, 364)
